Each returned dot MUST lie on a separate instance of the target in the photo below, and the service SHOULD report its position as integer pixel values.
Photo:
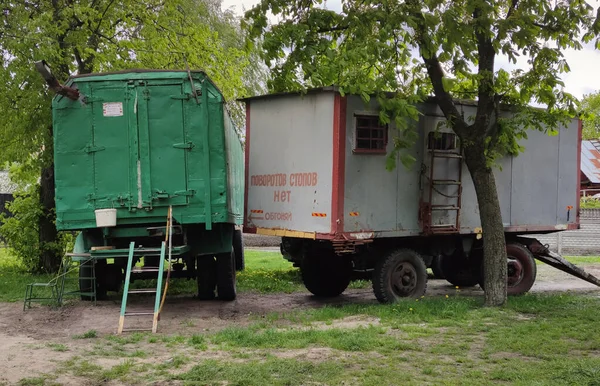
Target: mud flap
(542, 253)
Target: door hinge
(185, 145)
(91, 149)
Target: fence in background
(581, 242)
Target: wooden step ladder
(126, 291)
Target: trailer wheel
(400, 274)
(459, 271)
(226, 288)
(206, 277)
(238, 250)
(521, 269)
(436, 268)
(326, 274)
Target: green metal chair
(70, 262)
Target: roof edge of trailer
(131, 71)
(335, 88)
(101, 75)
(286, 93)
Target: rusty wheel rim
(404, 279)
(514, 272)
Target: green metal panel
(162, 140)
(141, 142)
(110, 146)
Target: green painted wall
(141, 142)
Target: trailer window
(370, 135)
(442, 141)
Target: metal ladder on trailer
(434, 187)
(126, 291)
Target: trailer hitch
(542, 253)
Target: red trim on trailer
(339, 164)
(578, 201)
(246, 169)
(249, 230)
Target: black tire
(238, 250)
(206, 277)
(399, 274)
(436, 268)
(521, 270)
(226, 285)
(86, 282)
(326, 274)
(459, 271)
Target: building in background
(590, 168)
(7, 188)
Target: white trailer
(316, 176)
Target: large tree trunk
(494, 243)
(50, 256)
(50, 253)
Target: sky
(582, 79)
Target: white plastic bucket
(106, 217)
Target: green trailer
(130, 145)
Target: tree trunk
(50, 255)
(494, 243)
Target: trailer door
(162, 144)
(110, 146)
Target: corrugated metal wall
(582, 242)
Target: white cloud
(581, 80)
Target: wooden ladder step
(140, 270)
(139, 313)
(143, 291)
(136, 329)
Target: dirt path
(26, 337)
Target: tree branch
(548, 27)
(487, 55)
(103, 15)
(332, 29)
(513, 7)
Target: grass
(271, 371)
(59, 347)
(14, 278)
(266, 272)
(91, 334)
(535, 339)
